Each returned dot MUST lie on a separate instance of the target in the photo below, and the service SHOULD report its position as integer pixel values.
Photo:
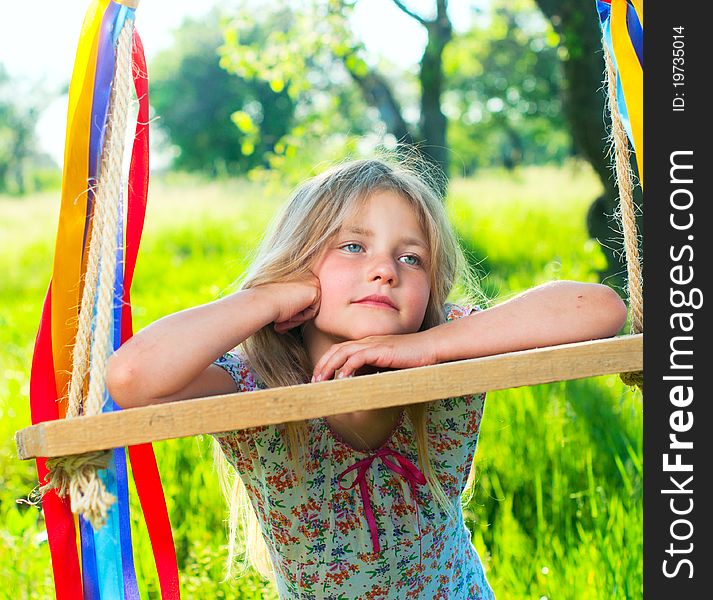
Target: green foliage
(569, 509)
(305, 53)
(198, 104)
(525, 200)
(502, 96)
(505, 90)
(557, 509)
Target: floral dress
(364, 524)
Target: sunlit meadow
(557, 510)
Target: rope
(624, 179)
(77, 476)
(109, 192)
(80, 352)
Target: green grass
(557, 510)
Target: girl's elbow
(120, 378)
(611, 309)
(622, 313)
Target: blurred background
(249, 98)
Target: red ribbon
(59, 519)
(138, 181)
(143, 461)
(405, 468)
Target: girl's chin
(357, 329)
(358, 333)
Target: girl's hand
(385, 351)
(295, 302)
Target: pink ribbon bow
(405, 468)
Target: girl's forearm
(554, 313)
(170, 353)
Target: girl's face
(374, 274)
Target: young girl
(353, 278)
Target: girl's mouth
(377, 302)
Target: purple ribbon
(104, 71)
(405, 468)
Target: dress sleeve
(247, 449)
(238, 369)
(454, 426)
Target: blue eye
(416, 260)
(352, 245)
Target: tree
(315, 41)
(504, 90)
(578, 27)
(213, 118)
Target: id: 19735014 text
(678, 75)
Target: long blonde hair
(311, 217)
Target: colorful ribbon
(107, 556)
(622, 28)
(405, 468)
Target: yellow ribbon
(67, 267)
(632, 79)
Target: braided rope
(80, 352)
(108, 196)
(78, 475)
(624, 179)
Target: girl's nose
(383, 270)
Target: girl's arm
(172, 358)
(559, 312)
(554, 313)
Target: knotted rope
(78, 475)
(624, 178)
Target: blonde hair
(311, 217)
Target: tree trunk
(430, 141)
(377, 93)
(577, 24)
(433, 123)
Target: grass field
(557, 510)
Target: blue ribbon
(131, 589)
(636, 32)
(604, 14)
(107, 558)
(124, 13)
(107, 543)
(90, 580)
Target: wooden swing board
(294, 403)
